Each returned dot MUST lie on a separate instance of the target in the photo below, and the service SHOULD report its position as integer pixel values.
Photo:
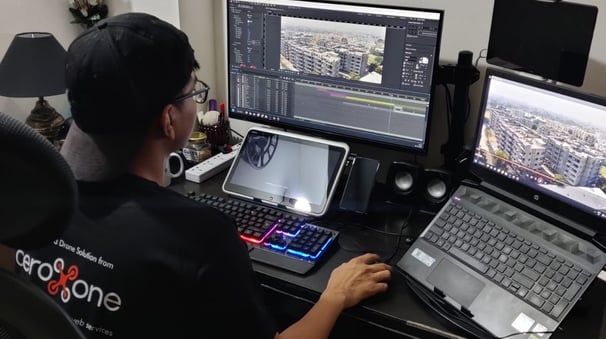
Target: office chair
(38, 197)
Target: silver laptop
(517, 248)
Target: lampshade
(33, 66)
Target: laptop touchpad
(455, 283)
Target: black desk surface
(398, 310)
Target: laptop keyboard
(278, 238)
(528, 270)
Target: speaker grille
(403, 178)
(437, 185)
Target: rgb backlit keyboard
(277, 238)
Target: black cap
(124, 70)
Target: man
(140, 260)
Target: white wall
(466, 27)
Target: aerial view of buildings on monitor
(542, 141)
(336, 49)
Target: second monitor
(357, 72)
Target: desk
(398, 313)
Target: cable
(448, 104)
(468, 113)
(454, 316)
(402, 228)
(529, 332)
(384, 258)
(445, 310)
(236, 133)
(480, 56)
(448, 118)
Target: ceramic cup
(173, 167)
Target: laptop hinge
(462, 308)
(466, 312)
(554, 218)
(439, 292)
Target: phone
(359, 185)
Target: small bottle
(197, 149)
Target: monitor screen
(542, 140)
(545, 38)
(357, 72)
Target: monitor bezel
(534, 198)
(341, 134)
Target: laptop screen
(545, 143)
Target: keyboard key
(547, 307)
(469, 260)
(572, 275)
(523, 280)
(535, 300)
(532, 275)
(540, 268)
(554, 299)
(558, 309)
(543, 281)
(532, 253)
(555, 265)
(522, 292)
(572, 291)
(551, 286)
(544, 259)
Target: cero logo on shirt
(64, 281)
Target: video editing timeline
(356, 71)
(390, 116)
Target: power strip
(212, 165)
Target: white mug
(168, 174)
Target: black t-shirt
(142, 261)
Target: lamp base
(45, 120)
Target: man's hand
(357, 279)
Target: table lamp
(34, 66)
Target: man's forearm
(319, 321)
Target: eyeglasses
(200, 93)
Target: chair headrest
(38, 192)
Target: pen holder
(218, 134)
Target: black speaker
(412, 184)
(437, 185)
(404, 178)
